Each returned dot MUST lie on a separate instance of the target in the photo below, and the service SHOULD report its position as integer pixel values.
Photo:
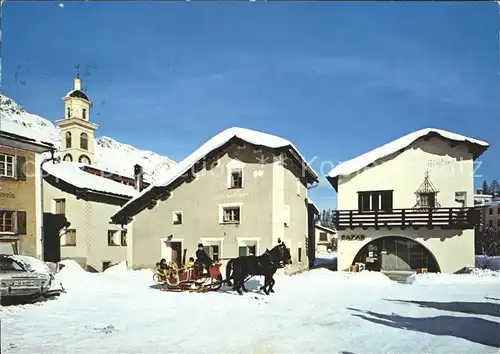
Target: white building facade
(409, 204)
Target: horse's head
(280, 255)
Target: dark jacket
(202, 257)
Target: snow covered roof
(24, 142)
(72, 173)
(309, 200)
(327, 229)
(358, 163)
(77, 93)
(247, 135)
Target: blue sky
(337, 79)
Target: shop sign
(354, 237)
(7, 195)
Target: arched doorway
(396, 253)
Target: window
(123, 237)
(177, 218)
(84, 159)
(212, 251)
(7, 165)
(298, 186)
(498, 211)
(68, 157)
(84, 113)
(428, 200)
(323, 236)
(106, 265)
(236, 178)
(490, 211)
(231, 215)
(299, 254)
(498, 223)
(247, 250)
(68, 139)
(70, 238)
(490, 222)
(60, 206)
(375, 200)
(68, 112)
(6, 221)
(84, 141)
(112, 241)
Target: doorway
(176, 253)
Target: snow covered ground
(318, 311)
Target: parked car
(17, 280)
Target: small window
(123, 237)
(490, 211)
(105, 265)
(250, 250)
(6, 221)
(237, 178)
(60, 206)
(68, 157)
(7, 166)
(69, 237)
(490, 222)
(298, 186)
(498, 223)
(231, 215)
(68, 140)
(68, 112)
(177, 218)
(112, 238)
(84, 159)
(299, 254)
(323, 237)
(498, 210)
(84, 113)
(84, 141)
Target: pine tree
(494, 187)
(486, 189)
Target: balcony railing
(446, 218)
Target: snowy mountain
(109, 154)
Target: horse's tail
(229, 268)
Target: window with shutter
(323, 236)
(6, 221)
(69, 238)
(21, 222)
(21, 168)
(6, 166)
(60, 206)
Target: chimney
(139, 178)
(78, 83)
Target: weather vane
(77, 67)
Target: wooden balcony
(445, 218)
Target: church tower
(77, 132)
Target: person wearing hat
(203, 260)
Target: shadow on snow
(473, 329)
(474, 308)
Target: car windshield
(8, 264)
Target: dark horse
(267, 264)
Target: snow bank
(326, 276)
(478, 276)
(492, 263)
(117, 269)
(349, 167)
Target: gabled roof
(358, 163)
(73, 174)
(311, 203)
(24, 142)
(218, 141)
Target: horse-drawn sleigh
(240, 270)
(189, 279)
